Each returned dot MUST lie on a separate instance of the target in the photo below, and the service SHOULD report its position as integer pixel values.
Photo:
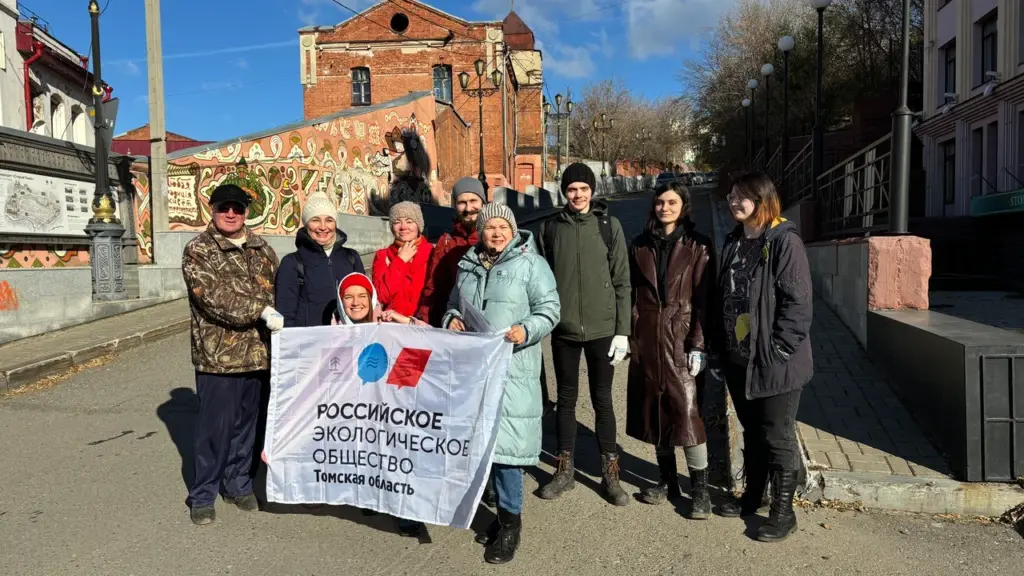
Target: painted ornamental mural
(359, 159)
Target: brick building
(403, 46)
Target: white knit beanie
(318, 204)
(496, 210)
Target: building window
(360, 86)
(1020, 150)
(78, 127)
(942, 3)
(948, 150)
(987, 49)
(947, 84)
(443, 83)
(984, 159)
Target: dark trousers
(565, 356)
(769, 424)
(225, 432)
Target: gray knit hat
(410, 210)
(469, 185)
(495, 210)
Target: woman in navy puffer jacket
(306, 291)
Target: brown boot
(563, 480)
(613, 491)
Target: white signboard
(34, 204)
(387, 417)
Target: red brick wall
(530, 112)
(455, 148)
(397, 71)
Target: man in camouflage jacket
(229, 272)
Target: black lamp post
(786, 44)
(767, 70)
(603, 127)
(752, 86)
(818, 147)
(902, 118)
(746, 128)
(480, 91)
(558, 115)
(644, 136)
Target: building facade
(136, 142)
(403, 46)
(972, 125)
(45, 86)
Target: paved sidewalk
(25, 361)
(850, 419)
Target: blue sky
(231, 67)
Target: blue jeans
(508, 487)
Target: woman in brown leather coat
(667, 267)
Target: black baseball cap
(230, 193)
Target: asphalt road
(91, 483)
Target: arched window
(59, 126)
(79, 134)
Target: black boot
(699, 496)
(668, 488)
(505, 544)
(563, 480)
(753, 492)
(613, 491)
(781, 519)
(488, 498)
(487, 538)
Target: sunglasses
(230, 207)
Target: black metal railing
(853, 196)
(798, 176)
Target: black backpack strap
(300, 269)
(604, 223)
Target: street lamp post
(767, 70)
(786, 44)
(644, 136)
(603, 127)
(746, 128)
(899, 185)
(480, 67)
(104, 227)
(558, 115)
(818, 147)
(752, 86)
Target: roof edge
(407, 99)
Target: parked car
(665, 178)
(693, 179)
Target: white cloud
(569, 61)
(603, 44)
(131, 68)
(242, 63)
(658, 27)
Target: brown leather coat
(668, 322)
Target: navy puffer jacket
(313, 300)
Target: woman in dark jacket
(667, 272)
(763, 310)
(306, 290)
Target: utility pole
(899, 185)
(104, 228)
(157, 121)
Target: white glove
(696, 360)
(619, 349)
(272, 318)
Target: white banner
(393, 418)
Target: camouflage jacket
(228, 289)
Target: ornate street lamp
(558, 115)
(480, 67)
(603, 127)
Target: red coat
(444, 264)
(399, 283)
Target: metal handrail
(853, 195)
(1015, 179)
(863, 150)
(806, 149)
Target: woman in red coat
(400, 270)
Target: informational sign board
(45, 205)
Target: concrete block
(29, 373)
(164, 331)
(83, 355)
(899, 466)
(898, 271)
(168, 246)
(924, 495)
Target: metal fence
(798, 177)
(774, 167)
(853, 196)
